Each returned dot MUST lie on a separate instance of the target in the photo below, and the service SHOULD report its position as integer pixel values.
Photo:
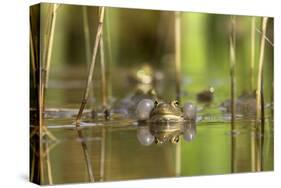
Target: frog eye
(156, 103)
(157, 141)
(175, 139)
(175, 103)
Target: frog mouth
(166, 117)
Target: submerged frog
(160, 111)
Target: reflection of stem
(91, 71)
(102, 154)
(86, 155)
(32, 168)
(41, 162)
(253, 40)
(253, 147)
(232, 40)
(259, 94)
(178, 159)
(178, 53)
(49, 168)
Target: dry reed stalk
(232, 41)
(253, 44)
(260, 95)
(103, 75)
(50, 42)
(86, 34)
(87, 39)
(91, 70)
(266, 38)
(32, 55)
(178, 54)
(108, 43)
(259, 91)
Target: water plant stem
(91, 70)
(87, 38)
(232, 41)
(260, 94)
(259, 91)
(253, 44)
(86, 30)
(103, 76)
(32, 56)
(50, 42)
(178, 54)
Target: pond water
(109, 150)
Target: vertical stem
(91, 70)
(32, 55)
(108, 37)
(103, 75)
(253, 43)
(50, 42)
(178, 53)
(232, 40)
(87, 46)
(86, 34)
(259, 92)
(260, 71)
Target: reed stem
(87, 38)
(50, 42)
(259, 91)
(260, 94)
(253, 44)
(109, 49)
(232, 40)
(103, 75)
(91, 70)
(32, 55)
(178, 54)
(86, 34)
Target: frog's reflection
(161, 133)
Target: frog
(164, 121)
(161, 111)
(166, 112)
